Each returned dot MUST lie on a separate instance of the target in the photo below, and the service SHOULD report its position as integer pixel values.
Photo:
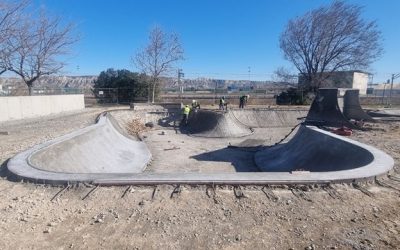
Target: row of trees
(32, 42)
(131, 86)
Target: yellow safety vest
(186, 110)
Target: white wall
(19, 107)
(360, 81)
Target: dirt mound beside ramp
(352, 108)
(216, 124)
(316, 150)
(84, 155)
(325, 110)
(268, 118)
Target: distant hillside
(52, 82)
(167, 83)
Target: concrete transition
(351, 106)
(216, 124)
(326, 111)
(385, 113)
(95, 151)
(269, 118)
(316, 150)
(239, 122)
(100, 154)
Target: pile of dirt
(135, 126)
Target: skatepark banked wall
(100, 154)
(326, 110)
(239, 122)
(20, 107)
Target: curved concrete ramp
(325, 110)
(316, 150)
(268, 118)
(385, 113)
(92, 152)
(215, 124)
(352, 108)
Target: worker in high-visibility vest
(185, 114)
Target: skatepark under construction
(238, 146)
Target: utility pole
(180, 74)
(394, 76)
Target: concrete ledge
(20, 107)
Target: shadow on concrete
(5, 173)
(243, 161)
(171, 121)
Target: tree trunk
(30, 88)
(154, 90)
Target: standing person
(195, 105)
(185, 115)
(241, 101)
(222, 104)
(246, 99)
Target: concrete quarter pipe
(85, 154)
(315, 150)
(325, 109)
(215, 124)
(352, 108)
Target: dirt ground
(194, 217)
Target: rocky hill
(167, 82)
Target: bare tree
(159, 56)
(283, 74)
(11, 15)
(38, 46)
(330, 38)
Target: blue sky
(221, 38)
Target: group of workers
(223, 105)
(187, 109)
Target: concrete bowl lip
(21, 167)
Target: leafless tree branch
(159, 56)
(330, 38)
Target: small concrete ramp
(215, 124)
(316, 150)
(325, 110)
(352, 108)
(269, 118)
(385, 113)
(89, 153)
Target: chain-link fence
(94, 96)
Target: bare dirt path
(196, 217)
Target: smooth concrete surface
(269, 118)
(314, 150)
(97, 150)
(330, 158)
(385, 113)
(20, 107)
(214, 124)
(352, 108)
(325, 110)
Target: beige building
(343, 79)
